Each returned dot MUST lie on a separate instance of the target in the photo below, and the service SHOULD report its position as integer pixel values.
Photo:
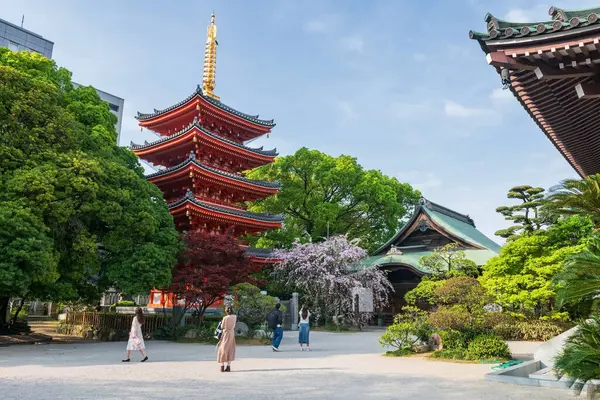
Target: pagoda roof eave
(192, 161)
(254, 119)
(255, 151)
(242, 214)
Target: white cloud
(352, 43)
(346, 111)
(453, 109)
(501, 95)
(323, 24)
(419, 57)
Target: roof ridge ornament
(394, 251)
(189, 195)
(210, 60)
(192, 155)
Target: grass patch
(335, 328)
(462, 356)
(399, 353)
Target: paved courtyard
(342, 366)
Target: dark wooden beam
(501, 60)
(553, 73)
(588, 90)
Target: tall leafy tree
(72, 189)
(527, 215)
(326, 196)
(577, 197)
(521, 277)
(449, 261)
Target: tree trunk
(4, 312)
(16, 316)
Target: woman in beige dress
(226, 347)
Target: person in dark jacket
(275, 324)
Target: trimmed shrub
(540, 330)
(408, 329)
(452, 340)
(536, 330)
(424, 293)
(455, 317)
(451, 354)
(488, 346)
(462, 290)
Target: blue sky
(395, 83)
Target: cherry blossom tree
(329, 273)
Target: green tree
(527, 216)
(580, 280)
(576, 197)
(324, 195)
(521, 276)
(82, 194)
(448, 261)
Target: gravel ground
(341, 366)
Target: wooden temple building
(431, 226)
(553, 69)
(202, 156)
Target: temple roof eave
(258, 151)
(562, 23)
(192, 160)
(198, 93)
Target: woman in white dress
(136, 338)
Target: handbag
(219, 331)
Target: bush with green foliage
(449, 261)
(521, 278)
(251, 305)
(488, 346)
(424, 294)
(535, 330)
(450, 317)
(580, 358)
(463, 290)
(451, 354)
(453, 340)
(409, 328)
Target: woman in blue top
(304, 329)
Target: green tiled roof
(561, 21)
(460, 225)
(466, 232)
(480, 257)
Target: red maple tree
(210, 265)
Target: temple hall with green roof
(431, 226)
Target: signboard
(365, 300)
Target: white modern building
(17, 38)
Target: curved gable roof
(453, 223)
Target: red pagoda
(203, 155)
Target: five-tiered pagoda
(203, 152)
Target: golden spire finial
(210, 60)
